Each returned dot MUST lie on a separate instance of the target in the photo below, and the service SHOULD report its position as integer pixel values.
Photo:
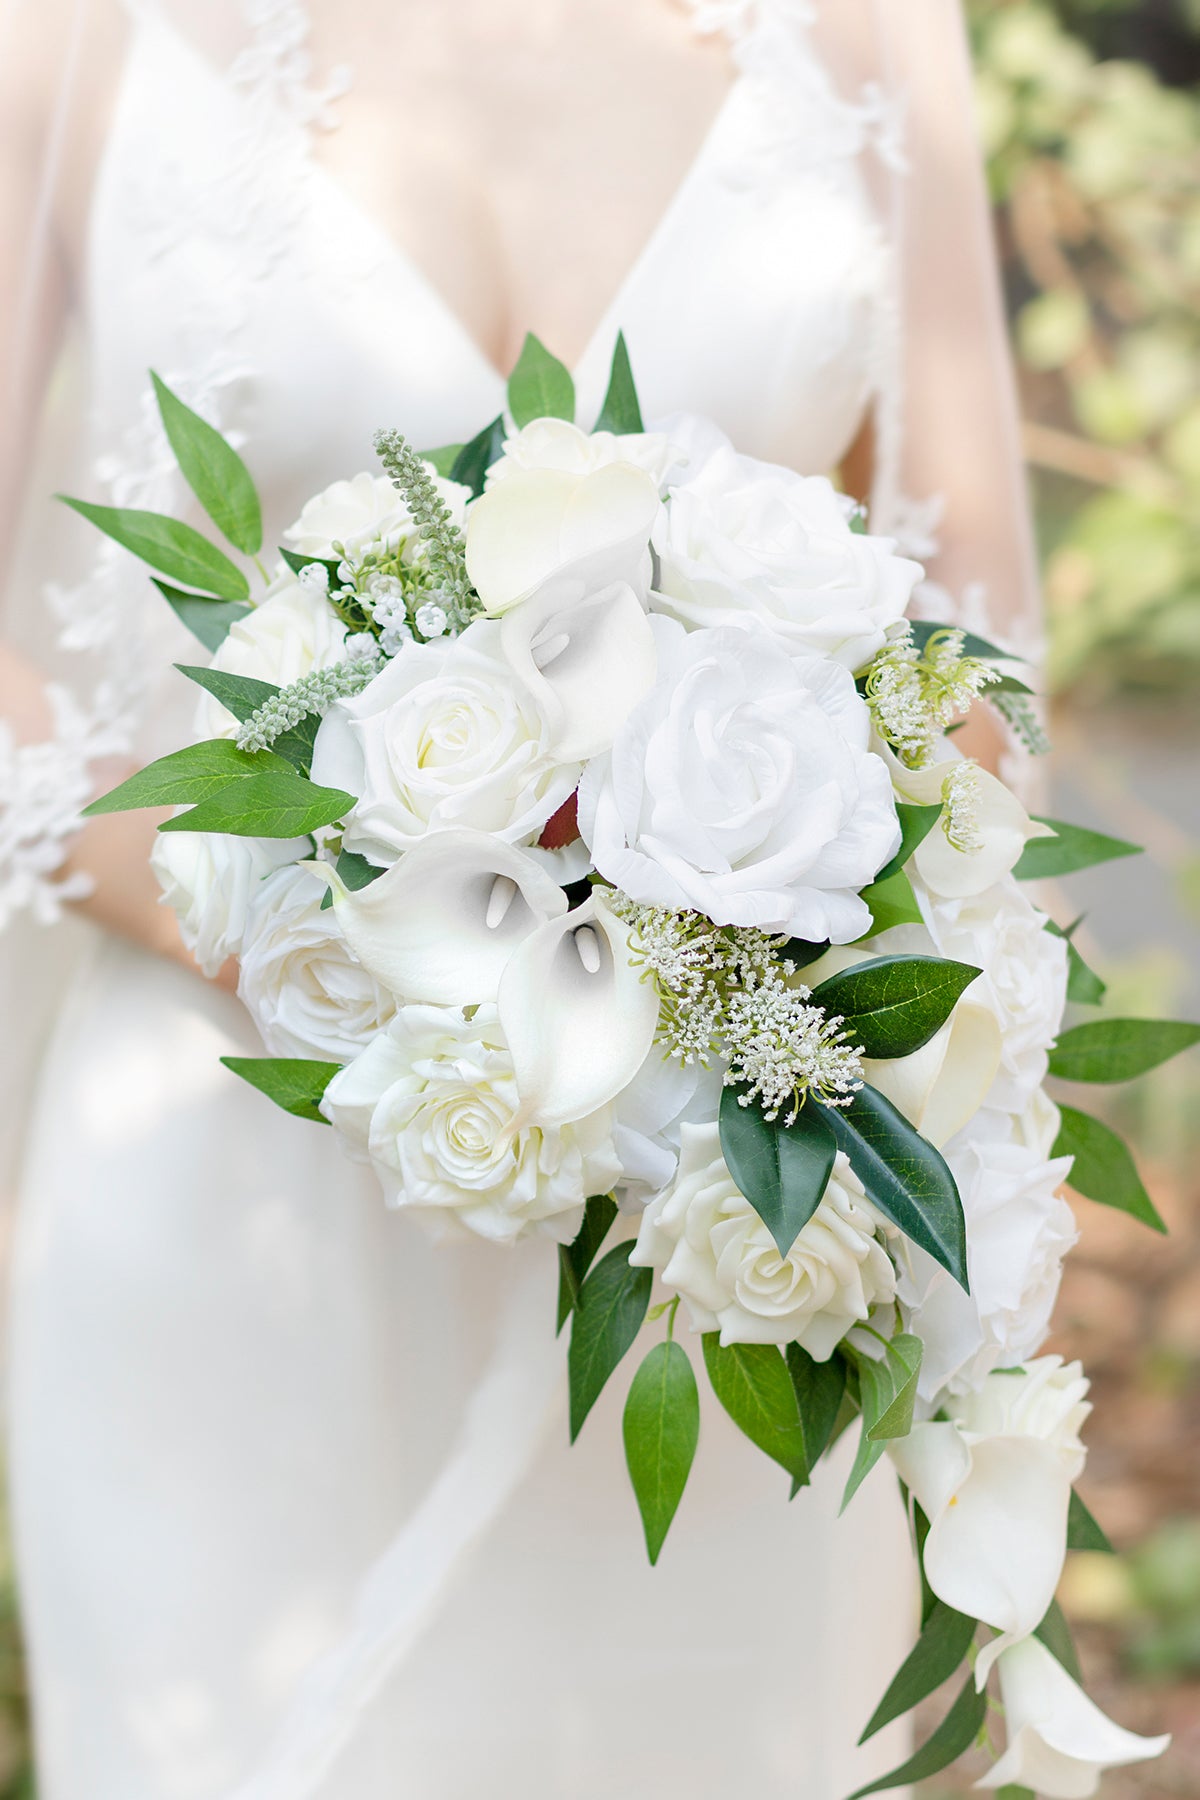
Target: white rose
(742, 540)
(444, 736)
(209, 880)
(363, 513)
(432, 1103)
(994, 1480)
(299, 979)
(556, 444)
(742, 787)
(715, 1252)
(663, 1096)
(292, 631)
(1019, 1229)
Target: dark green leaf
(941, 1647)
(956, 1733)
(892, 902)
(575, 1259)
(213, 470)
(1119, 1049)
(1073, 848)
(894, 1004)
(174, 549)
(887, 1390)
(292, 1082)
(186, 776)
(277, 804)
(296, 563)
(355, 871)
(819, 1388)
(443, 458)
(782, 1169)
(753, 1385)
(473, 461)
(973, 645)
(916, 823)
(1103, 1169)
(661, 1428)
(1083, 1532)
(1084, 986)
(242, 695)
(620, 412)
(904, 1175)
(539, 387)
(800, 953)
(206, 619)
(1055, 1633)
(608, 1316)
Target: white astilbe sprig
(915, 693)
(445, 550)
(726, 992)
(313, 693)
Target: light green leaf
(443, 458)
(292, 1082)
(473, 461)
(621, 412)
(945, 1640)
(887, 1390)
(1084, 1532)
(173, 548)
(1103, 1169)
(213, 470)
(575, 1259)
(277, 804)
(1084, 986)
(904, 1175)
(206, 619)
(782, 1169)
(892, 902)
(916, 823)
(186, 776)
(819, 1388)
(1055, 1633)
(894, 1004)
(1119, 1049)
(1071, 848)
(608, 1316)
(753, 1385)
(661, 1428)
(956, 1733)
(539, 387)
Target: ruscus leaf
(186, 777)
(206, 619)
(956, 1733)
(1055, 1633)
(473, 461)
(661, 1428)
(295, 1083)
(242, 695)
(608, 1316)
(1071, 848)
(944, 1641)
(167, 545)
(1083, 1531)
(1103, 1169)
(887, 1389)
(539, 387)
(621, 412)
(575, 1259)
(894, 1004)
(1119, 1049)
(753, 1385)
(213, 470)
(277, 804)
(443, 458)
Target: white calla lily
(996, 825)
(587, 659)
(441, 924)
(539, 524)
(577, 1014)
(1059, 1743)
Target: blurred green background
(1090, 111)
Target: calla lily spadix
(1002, 830)
(577, 1014)
(1059, 1743)
(587, 659)
(441, 924)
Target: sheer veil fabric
(294, 1509)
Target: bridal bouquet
(586, 818)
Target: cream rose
(715, 1252)
(364, 512)
(557, 444)
(209, 879)
(291, 631)
(432, 1104)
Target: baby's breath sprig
(313, 693)
(915, 693)
(726, 992)
(445, 553)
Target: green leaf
(242, 695)
(956, 1733)
(944, 1641)
(608, 1316)
(621, 412)
(473, 461)
(539, 387)
(1015, 1793)
(296, 563)
(782, 1169)
(1103, 1169)
(973, 645)
(894, 1004)
(168, 546)
(887, 1390)
(1072, 848)
(277, 804)
(753, 1385)
(1084, 986)
(800, 953)
(355, 871)
(1083, 1531)
(292, 1082)
(661, 1428)
(575, 1259)
(1119, 1049)
(892, 902)
(819, 1388)
(207, 619)
(186, 776)
(904, 1176)
(213, 470)
(1055, 1633)
(443, 459)
(916, 823)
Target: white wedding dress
(294, 1506)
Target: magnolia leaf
(1103, 1169)
(916, 823)
(539, 387)
(213, 470)
(819, 1388)
(753, 1385)
(944, 1641)
(956, 1733)
(661, 1428)
(892, 902)
(277, 804)
(781, 1168)
(575, 1259)
(174, 549)
(621, 412)
(1071, 848)
(894, 1005)
(186, 776)
(206, 619)
(473, 461)
(608, 1316)
(1119, 1049)
(1083, 1531)
(293, 1082)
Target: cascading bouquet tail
(584, 812)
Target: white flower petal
(537, 524)
(587, 661)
